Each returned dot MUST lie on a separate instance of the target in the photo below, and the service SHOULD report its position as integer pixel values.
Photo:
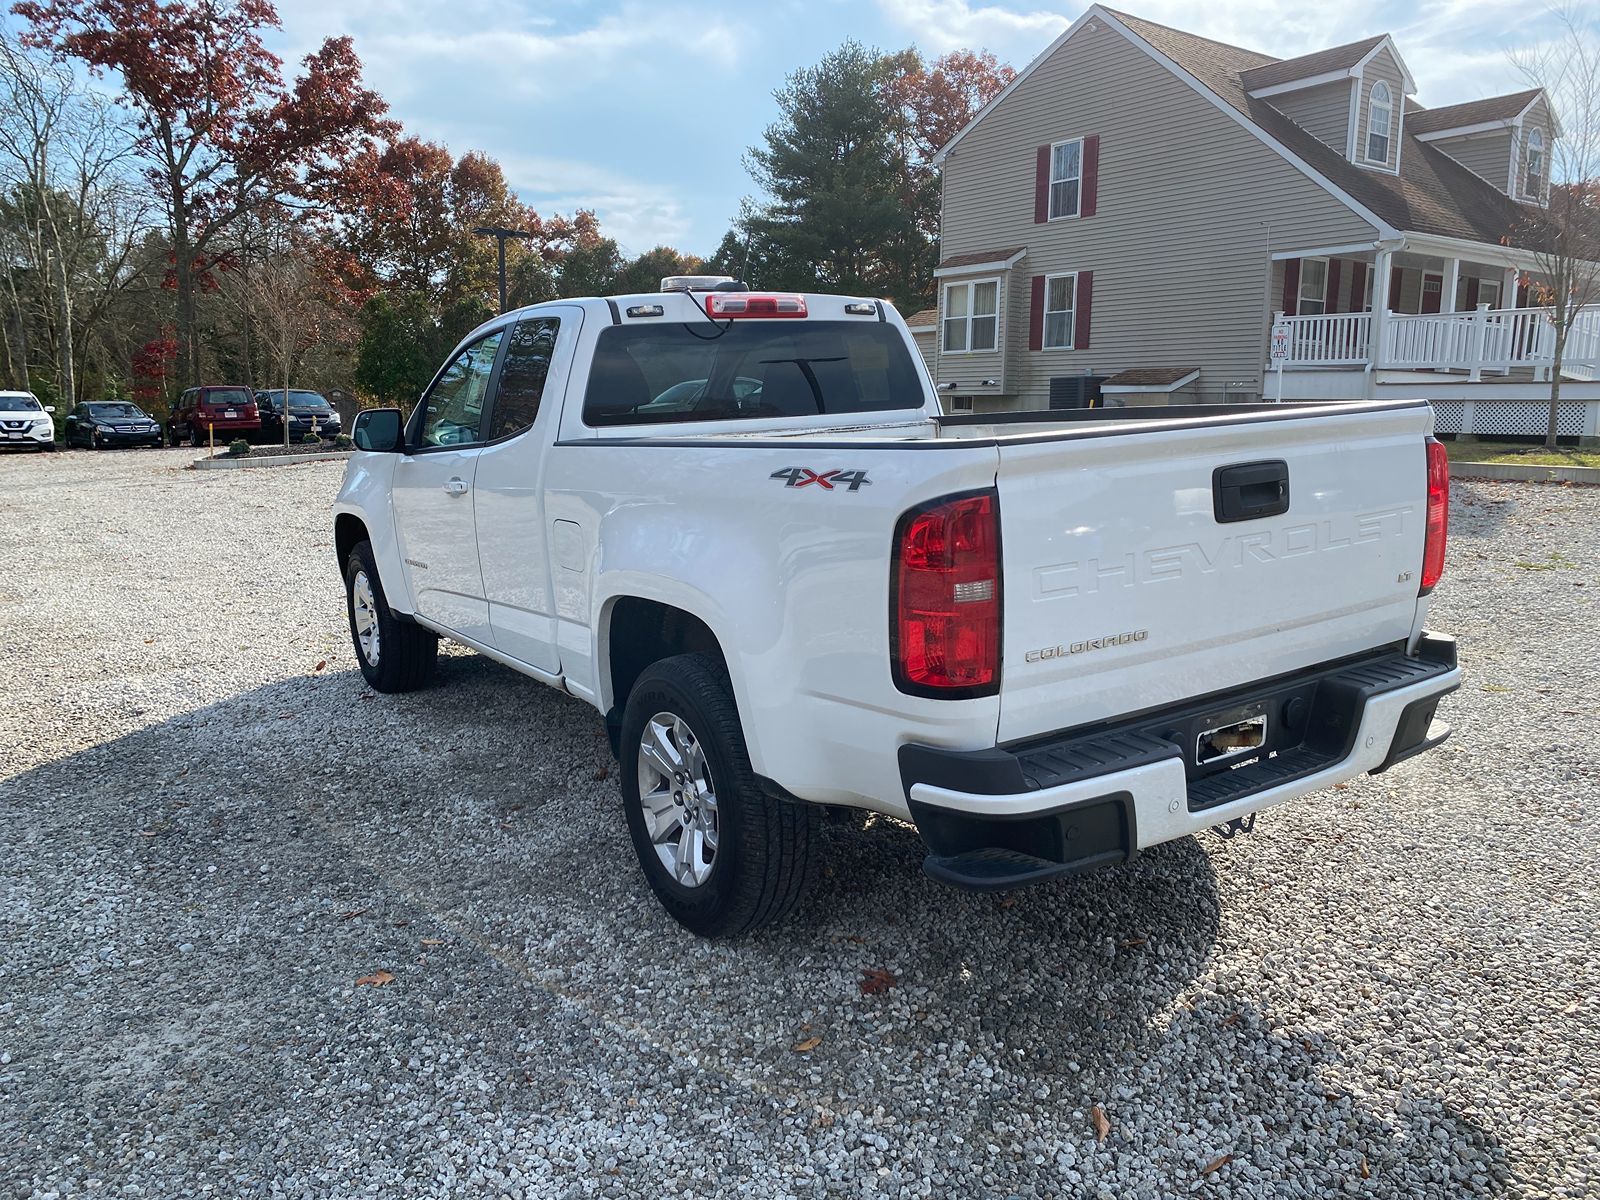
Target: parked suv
(99, 424)
(26, 422)
(306, 412)
(225, 412)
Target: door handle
(456, 487)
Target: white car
(26, 422)
(1049, 640)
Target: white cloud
(639, 213)
(939, 26)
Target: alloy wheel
(678, 798)
(365, 608)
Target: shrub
(238, 448)
(311, 439)
(342, 441)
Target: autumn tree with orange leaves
(221, 132)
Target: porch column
(1452, 280)
(1380, 310)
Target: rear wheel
(195, 438)
(394, 655)
(721, 855)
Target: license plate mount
(1230, 739)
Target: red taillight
(744, 304)
(1438, 515)
(947, 598)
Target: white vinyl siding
(1066, 178)
(1370, 119)
(1322, 111)
(972, 316)
(1060, 305)
(1487, 156)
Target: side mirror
(49, 408)
(379, 429)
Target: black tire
(762, 866)
(406, 652)
(195, 438)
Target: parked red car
(225, 412)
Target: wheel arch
(349, 530)
(636, 631)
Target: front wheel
(394, 655)
(721, 855)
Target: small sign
(1281, 333)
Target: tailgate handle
(1250, 491)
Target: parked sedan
(101, 424)
(305, 411)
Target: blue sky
(643, 110)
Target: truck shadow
(303, 834)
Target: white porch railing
(1486, 339)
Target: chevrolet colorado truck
(739, 526)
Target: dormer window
(1380, 116)
(1536, 164)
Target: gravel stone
(1389, 989)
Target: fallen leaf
(376, 979)
(149, 833)
(1233, 1020)
(1101, 1125)
(433, 941)
(1129, 943)
(1366, 1171)
(321, 662)
(856, 939)
(602, 773)
(353, 913)
(875, 981)
(1006, 901)
(807, 1046)
(149, 641)
(1216, 1164)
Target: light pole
(500, 235)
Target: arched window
(1536, 164)
(1380, 116)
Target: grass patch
(1524, 454)
(1556, 562)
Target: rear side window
(522, 375)
(646, 374)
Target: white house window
(1380, 116)
(1313, 297)
(971, 316)
(1536, 163)
(1489, 292)
(1060, 301)
(1066, 178)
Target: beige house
(1127, 219)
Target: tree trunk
(1555, 387)
(188, 321)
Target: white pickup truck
(739, 526)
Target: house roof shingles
(1432, 194)
(926, 318)
(1150, 377)
(1473, 112)
(1309, 66)
(978, 258)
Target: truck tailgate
(1128, 586)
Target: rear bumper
(1083, 799)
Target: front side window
(1536, 163)
(1313, 297)
(1380, 115)
(522, 375)
(646, 373)
(1060, 301)
(454, 407)
(1066, 178)
(971, 316)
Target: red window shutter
(1041, 186)
(1358, 286)
(1080, 316)
(1091, 174)
(1472, 293)
(1036, 315)
(1332, 304)
(1291, 286)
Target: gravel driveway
(216, 833)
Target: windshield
(226, 398)
(654, 373)
(117, 409)
(301, 402)
(18, 404)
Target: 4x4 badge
(826, 480)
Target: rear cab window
(747, 369)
